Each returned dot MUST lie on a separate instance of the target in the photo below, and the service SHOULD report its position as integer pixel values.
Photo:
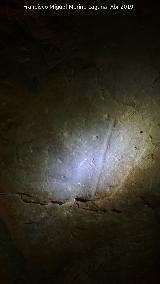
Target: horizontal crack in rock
(30, 223)
(116, 210)
(97, 210)
(81, 199)
(28, 198)
(57, 202)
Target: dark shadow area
(79, 147)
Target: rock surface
(79, 151)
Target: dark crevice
(82, 199)
(93, 209)
(30, 223)
(116, 210)
(146, 202)
(28, 198)
(97, 210)
(57, 202)
(24, 194)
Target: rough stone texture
(79, 150)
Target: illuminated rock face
(90, 145)
(79, 154)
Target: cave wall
(79, 146)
